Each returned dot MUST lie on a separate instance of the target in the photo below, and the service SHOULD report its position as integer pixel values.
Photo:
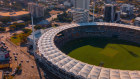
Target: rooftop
(137, 18)
(78, 10)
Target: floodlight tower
(34, 42)
(93, 9)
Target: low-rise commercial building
(127, 8)
(4, 52)
(137, 21)
(4, 56)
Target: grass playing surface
(110, 52)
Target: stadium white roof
(48, 49)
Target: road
(52, 17)
(27, 71)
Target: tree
(23, 38)
(133, 20)
(17, 6)
(2, 29)
(5, 19)
(12, 27)
(27, 31)
(19, 25)
(26, 17)
(27, 22)
(47, 14)
(38, 27)
(15, 34)
(64, 17)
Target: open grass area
(110, 52)
(20, 38)
(15, 39)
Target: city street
(52, 17)
(29, 68)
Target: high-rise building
(67, 4)
(127, 8)
(36, 10)
(117, 16)
(79, 15)
(107, 1)
(42, 0)
(109, 13)
(83, 4)
(72, 2)
(80, 12)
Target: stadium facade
(66, 67)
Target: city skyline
(69, 39)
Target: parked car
(13, 53)
(15, 56)
(15, 59)
(27, 61)
(13, 74)
(32, 66)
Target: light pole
(34, 44)
(31, 10)
(93, 10)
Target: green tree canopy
(5, 19)
(12, 27)
(64, 17)
(38, 27)
(2, 29)
(27, 31)
(23, 38)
